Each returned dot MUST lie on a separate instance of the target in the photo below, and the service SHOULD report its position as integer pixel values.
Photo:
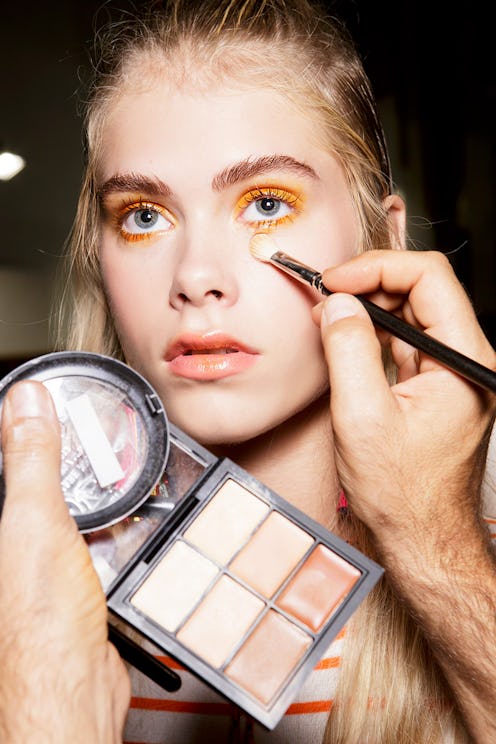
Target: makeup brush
(264, 248)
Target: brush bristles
(262, 247)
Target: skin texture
(55, 660)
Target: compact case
(115, 438)
(215, 568)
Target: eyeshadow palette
(243, 589)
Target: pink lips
(209, 357)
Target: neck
(295, 459)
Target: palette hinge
(154, 403)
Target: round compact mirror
(115, 433)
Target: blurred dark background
(432, 69)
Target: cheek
(296, 338)
(337, 241)
(133, 289)
(333, 231)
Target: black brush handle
(144, 661)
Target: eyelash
(134, 207)
(286, 198)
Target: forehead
(223, 123)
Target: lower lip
(211, 366)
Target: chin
(219, 434)
(219, 419)
(227, 420)
(235, 429)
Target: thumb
(31, 455)
(359, 388)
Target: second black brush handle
(144, 661)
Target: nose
(204, 272)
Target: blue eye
(145, 218)
(140, 221)
(271, 205)
(266, 208)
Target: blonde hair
(390, 689)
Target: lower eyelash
(287, 197)
(133, 206)
(271, 224)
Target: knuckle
(441, 260)
(28, 437)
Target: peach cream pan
(193, 552)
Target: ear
(396, 210)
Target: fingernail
(339, 306)
(28, 399)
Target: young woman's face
(228, 342)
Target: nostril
(183, 297)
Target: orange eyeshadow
(318, 587)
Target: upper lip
(208, 343)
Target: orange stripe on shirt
(218, 709)
(332, 662)
(491, 524)
(171, 663)
(311, 706)
(182, 706)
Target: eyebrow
(124, 182)
(255, 166)
(230, 176)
